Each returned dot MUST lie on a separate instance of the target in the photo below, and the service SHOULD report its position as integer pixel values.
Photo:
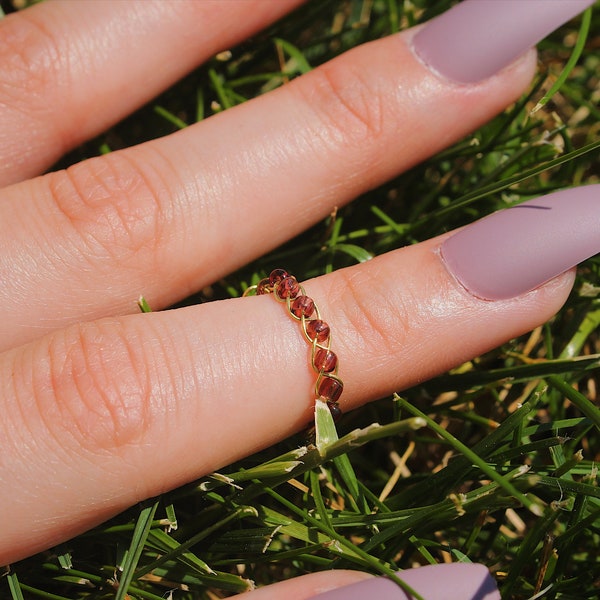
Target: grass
(494, 462)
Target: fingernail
(475, 39)
(462, 581)
(516, 250)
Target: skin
(88, 388)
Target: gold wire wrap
(328, 385)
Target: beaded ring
(286, 289)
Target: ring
(286, 289)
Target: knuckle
(96, 390)
(345, 102)
(377, 322)
(29, 56)
(113, 203)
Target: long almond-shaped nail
(516, 250)
(477, 38)
(462, 581)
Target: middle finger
(169, 216)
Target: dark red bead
(335, 410)
(277, 275)
(317, 329)
(288, 287)
(303, 306)
(330, 389)
(263, 287)
(325, 360)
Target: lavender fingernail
(476, 38)
(462, 581)
(518, 249)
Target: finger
(467, 581)
(129, 223)
(68, 70)
(307, 586)
(103, 414)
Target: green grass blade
(527, 549)
(398, 228)
(577, 398)
(171, 517)
(589, 324)
(170, 117)
(220, 89)
(136, 547)
(358, 253)
(584, 30)
(326, 435)
(33, 591)
(516, 373)
(503, 184)
(461, 467)
(172, 549)
(315, 490)
(325, 430)
(299, 62)
(143, 305)
(15, 588)
(533, 506)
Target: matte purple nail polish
(477, 38)
(518, 249)
(459, 581)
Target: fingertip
(467, 581)
(474, 41)
(308, 586)
(518, 249)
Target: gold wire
(315, 345)
(249, 291)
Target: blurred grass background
(500, 465)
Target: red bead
(317, 329)
(335, 410)
(330, 389)
(303, 306)
(277, 275)
(325, 360)
(262, 287)
(288, 287)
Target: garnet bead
(262, 287)
(303, 306)
(317, 330)
(335, 410)
(330, 389)
(325, 360)
(288, 287)
(277, 275)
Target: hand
(87, 386)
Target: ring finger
(151, 401)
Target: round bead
(303, 306)
(325, 360)
(330, 389)
(317, 330)
(335, 410)
(277, 275)
(262, 287)
(288, 287)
